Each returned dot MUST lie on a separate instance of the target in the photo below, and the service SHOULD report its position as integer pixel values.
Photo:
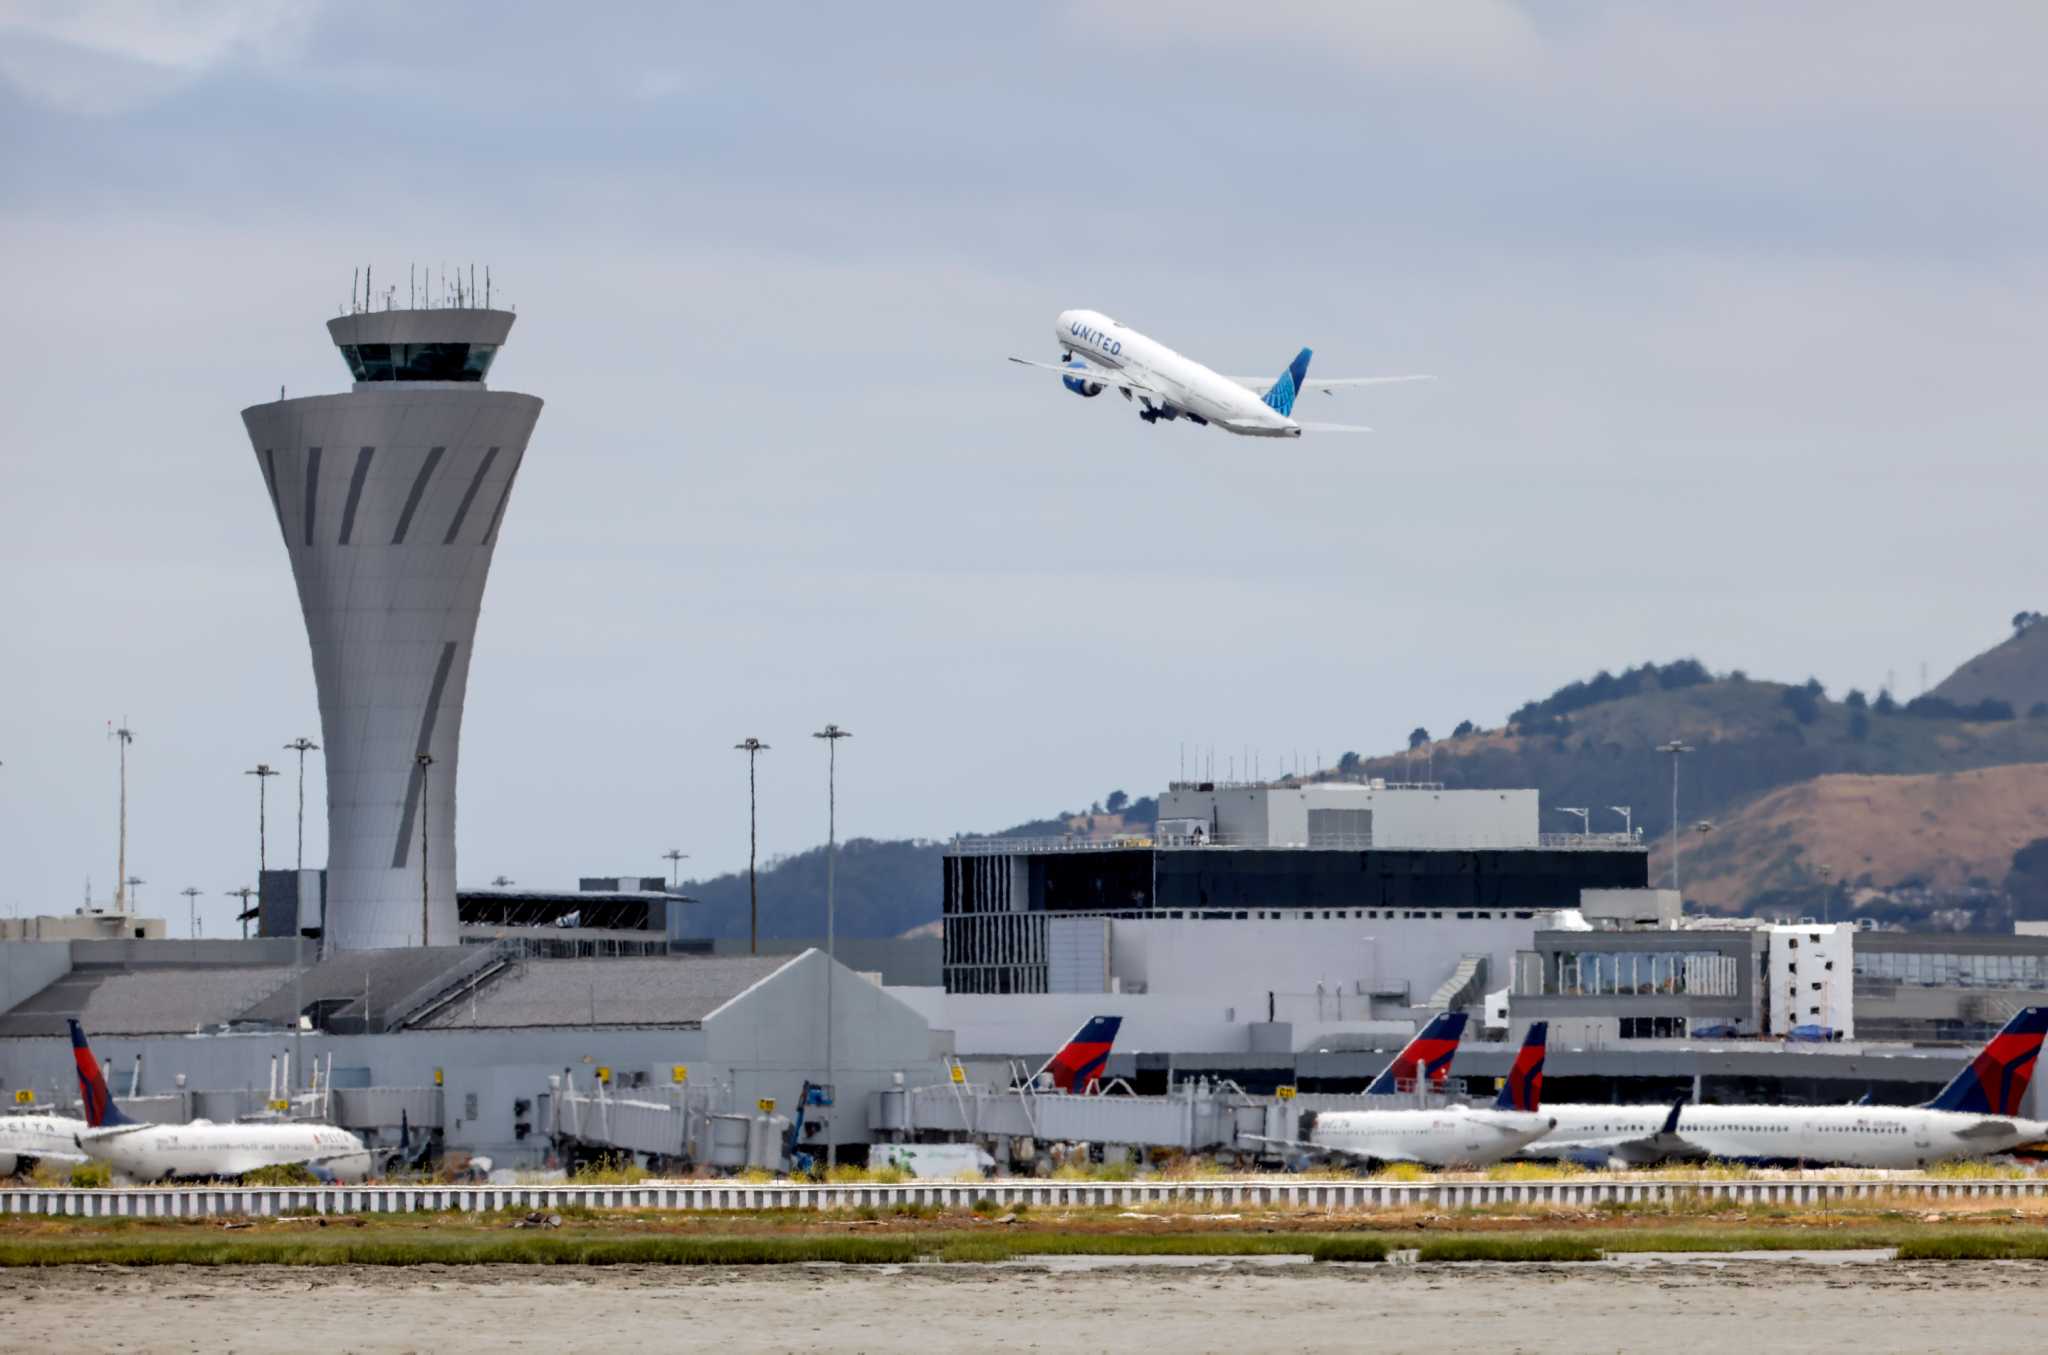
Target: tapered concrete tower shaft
(390, 499)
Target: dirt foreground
(1584, 1309)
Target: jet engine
(1087, 390)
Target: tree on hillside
(1417, 737)
(2038, 710)
(1116, 802)
(1859, 724)
(1884, 705)
(1855, 700)
(1804, 705)
(2027, 883)
(1349, 764)
(2022, 620)
(1464, 727)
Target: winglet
(100, 1110)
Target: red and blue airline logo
(92, 1084)
(1523, 1089)
(1079, 1064)
(1433, 1048)
(1995, 1082)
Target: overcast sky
(1738, 310)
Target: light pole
(1628, 822)
(1677, 748)
(133, 881)
(831, 734)
(191, 893)
(302, 746)
(243, 894)
(1585, 818)
(425, 760)
(673, 856)
(1826, 893)
(753, 748)
(126, 737)
(262, 771)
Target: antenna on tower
(367, 271)
(487, 286)
(353, 279)
(411, 291)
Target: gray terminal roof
(394, 982)
(162, 1001)
(641, 991)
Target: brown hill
(2015, 671)
(1943, 830)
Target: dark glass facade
(419, 361)
(1218, 879)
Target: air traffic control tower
(390, 499)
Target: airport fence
(272, 1201)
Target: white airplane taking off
(203, 1150)
(1097, 352)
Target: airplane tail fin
(1281, 395)
(1433, 1047)
(100, 1110)
(1523, 1089)
(1078, 1065)
(1995, 1082)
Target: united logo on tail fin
(1995, 1082)
(100, 1110)
(1281, 395)
(1079, 1064)
(1523, 1089)
(1433, 1047)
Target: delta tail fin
(1288, 385)
(1078, 1065)
(100, 1110)
(1523, 1089)
(1433, 1047)
(1995, 1082)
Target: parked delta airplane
(1078, 1065)
(28, 1139)
(1454, 1136)
(203, 1150)
(1976, 1115)
(1096, 351)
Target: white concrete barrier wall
(203, 1201)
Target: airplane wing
(1312, 426)
(1261, 384)
(1100, 376)
(112, 1131)
(1663, 1146)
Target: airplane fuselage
(33, 1138)
(1846, 1136)
(1454, 1136)
(201, 1150)
(1189, 388)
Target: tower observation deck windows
(419, 361)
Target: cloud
(102, 57)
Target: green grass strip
(541, 1251)
(2029, 1246)
(1552, 1247)
(1353, 1247)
